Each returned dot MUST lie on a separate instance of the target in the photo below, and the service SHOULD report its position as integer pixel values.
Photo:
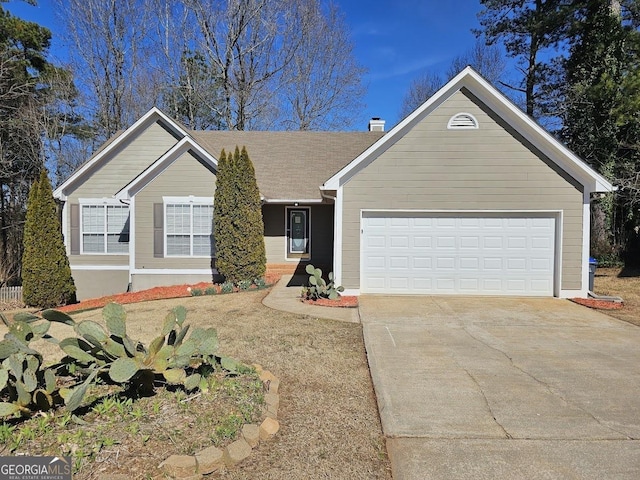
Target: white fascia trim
(290, 201)
(453, 212)
(586, 243)
(64, 226)
(100, 267)
(168, 271)
(162, 163)
(132, 236)
(100, 201)
(522, 123)
(337, 237)
(188, 199)
(151, 116)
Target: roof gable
(161, 164)
(501, 106)
(103, 155)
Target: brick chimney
(376, 125)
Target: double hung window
(189, 223)
(104, 227)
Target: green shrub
(226, 287)
(238, 225)
(210, 291)
(46, 275)
(196, 292)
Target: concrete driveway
(504, 388)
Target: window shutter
(158, 230)
(75, 229)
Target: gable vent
(463, 121)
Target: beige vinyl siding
(99, 283)
(185, 176)
(435, 168)
(274, 220)
(124, 165)
(275, 239)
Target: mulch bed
(344, 301)
(597, 304)
(156, 293)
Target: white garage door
(467, 255)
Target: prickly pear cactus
(174, 357)
(318, 288)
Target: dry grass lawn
(621, 282)
(329, 419)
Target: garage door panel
(376, 241)
(422, 242)
(399, 263)
(422, 263)
(492, 243)
(465, 255)
(399, 241)
(470, 242)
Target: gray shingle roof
(291, 165)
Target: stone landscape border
(211, 459)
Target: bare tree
(487, 60)
(249, 42)
(190, 86)
(112, 57)
(420, 90)
(322, 85)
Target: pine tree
(254, 259)
(601, 124)
(46, 274)
(238, 225)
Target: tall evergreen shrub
(46, 275)
(238, 225)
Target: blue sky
(396, 40)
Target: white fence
(10, 294)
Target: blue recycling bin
(593, 263)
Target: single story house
(467, 195)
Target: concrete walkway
(285, 296)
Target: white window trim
(451, 124)
(286, 233)
(188, 200)
(100, 202)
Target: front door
(298, 233)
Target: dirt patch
(344, 301)
(328, 413)
(621, 283)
